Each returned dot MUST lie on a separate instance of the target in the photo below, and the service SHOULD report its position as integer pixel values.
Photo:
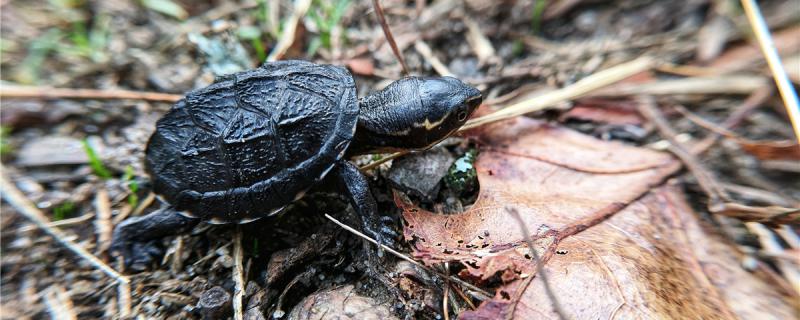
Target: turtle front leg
(133, 237)
(373, 224)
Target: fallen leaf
(605, 111)
(771, 150)
(611, 246)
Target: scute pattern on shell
(247, 145)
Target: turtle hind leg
(133, 238)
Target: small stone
(53, 150)
(214, 303)
(420, 174)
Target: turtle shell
(252, 142)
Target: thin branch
(540, 272)
(716, 193)
(427, 53)
(480, 291)
(18, 200)
(60, 93)
(238, 275)
(59, 304)
(388, 33)
(289, 29)
(785, 86)
(102, 224)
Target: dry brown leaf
(771, 150)
(611, 246)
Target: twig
(58, 303)
(480, 291)
(771, 246)
(148, 200)
(717, 195)
(445, 295)
(769, 214)
(540, 272)
(124, 299)
(383, 160)
(60, 223)
(53, 93)
(238, 274)
(102, 224)
(774, 61)
(289, 29)
(427, 53)
(578, 89)
(728, 84)
(18, 200)
(388, 33)
(480, 44)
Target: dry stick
(388, 33)
(58, 303)
(289, 29)
(27, 209)
(60, 223)
(103, 225)
(18, 200)
(483, 293)
(238, 274)
(717, 194)
(546, 100)
(48, 93)
(427, 53)
(540, 272)
(774, 61)
(771, 246)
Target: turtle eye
(462, 115)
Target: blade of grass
(785, 86)
(94, 161)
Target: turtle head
(413, 113)
(446, 104)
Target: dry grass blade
(577, 90)
(59, 303)
(479, 291)
(62, 93)
(698, 85)
(388, 33)
(427, 53)
(103, 226)
(785, 86)
(289, 29)
(18, 200)
(238, 275)
(61, 223)
(773, 247)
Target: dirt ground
(79, 161)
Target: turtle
(252, 142)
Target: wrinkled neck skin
(385, 122)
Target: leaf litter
(615, 238)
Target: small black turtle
(251, 143)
